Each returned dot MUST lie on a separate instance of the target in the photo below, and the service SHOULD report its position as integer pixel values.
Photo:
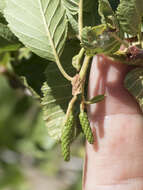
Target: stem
(82, 75)
(80, 20)
(140, 36)
(70, 106)
(84, 68)
(81, 53)
(62, 69)
(82, 95)
(119, 39)
(82, 106)
(77, 63)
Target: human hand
(115, 161)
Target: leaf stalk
(80, 19)
(84, 67)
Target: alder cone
(66, 137)
(86, 126)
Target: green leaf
(57, 91)
(2, 5)
(90, 15)
(129, 14)
(55, 101)
(134, 84)
(73, 25)
(96, 99)
(41, 25)
(105, 11)
(125, 56)
(99, 39)
(7, 34)
(139, 6)
(71, 6)
(88, 5)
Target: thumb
(115, 161)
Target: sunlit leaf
(41, 25)
(2, 5)
(129, 14)
(99, 39)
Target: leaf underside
(134, 84)
(39, 24)
(129, 13)
(57, 91)
(71, 6)
(55, 101)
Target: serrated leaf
(134, 84)
(99, 39)
(71, 6)
(41, 25)
(129, 14)
(73, 22)
(96, 99)
(105, 11)
(55, 102)
(57, 91)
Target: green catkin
(86, 127)
(66, 137)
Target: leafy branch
(47, 33)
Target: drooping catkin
(67, 137)
(86, 127)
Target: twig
(70, 106)
(84, 67)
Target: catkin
(86, 127)
(66, 137)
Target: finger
(115, 161)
